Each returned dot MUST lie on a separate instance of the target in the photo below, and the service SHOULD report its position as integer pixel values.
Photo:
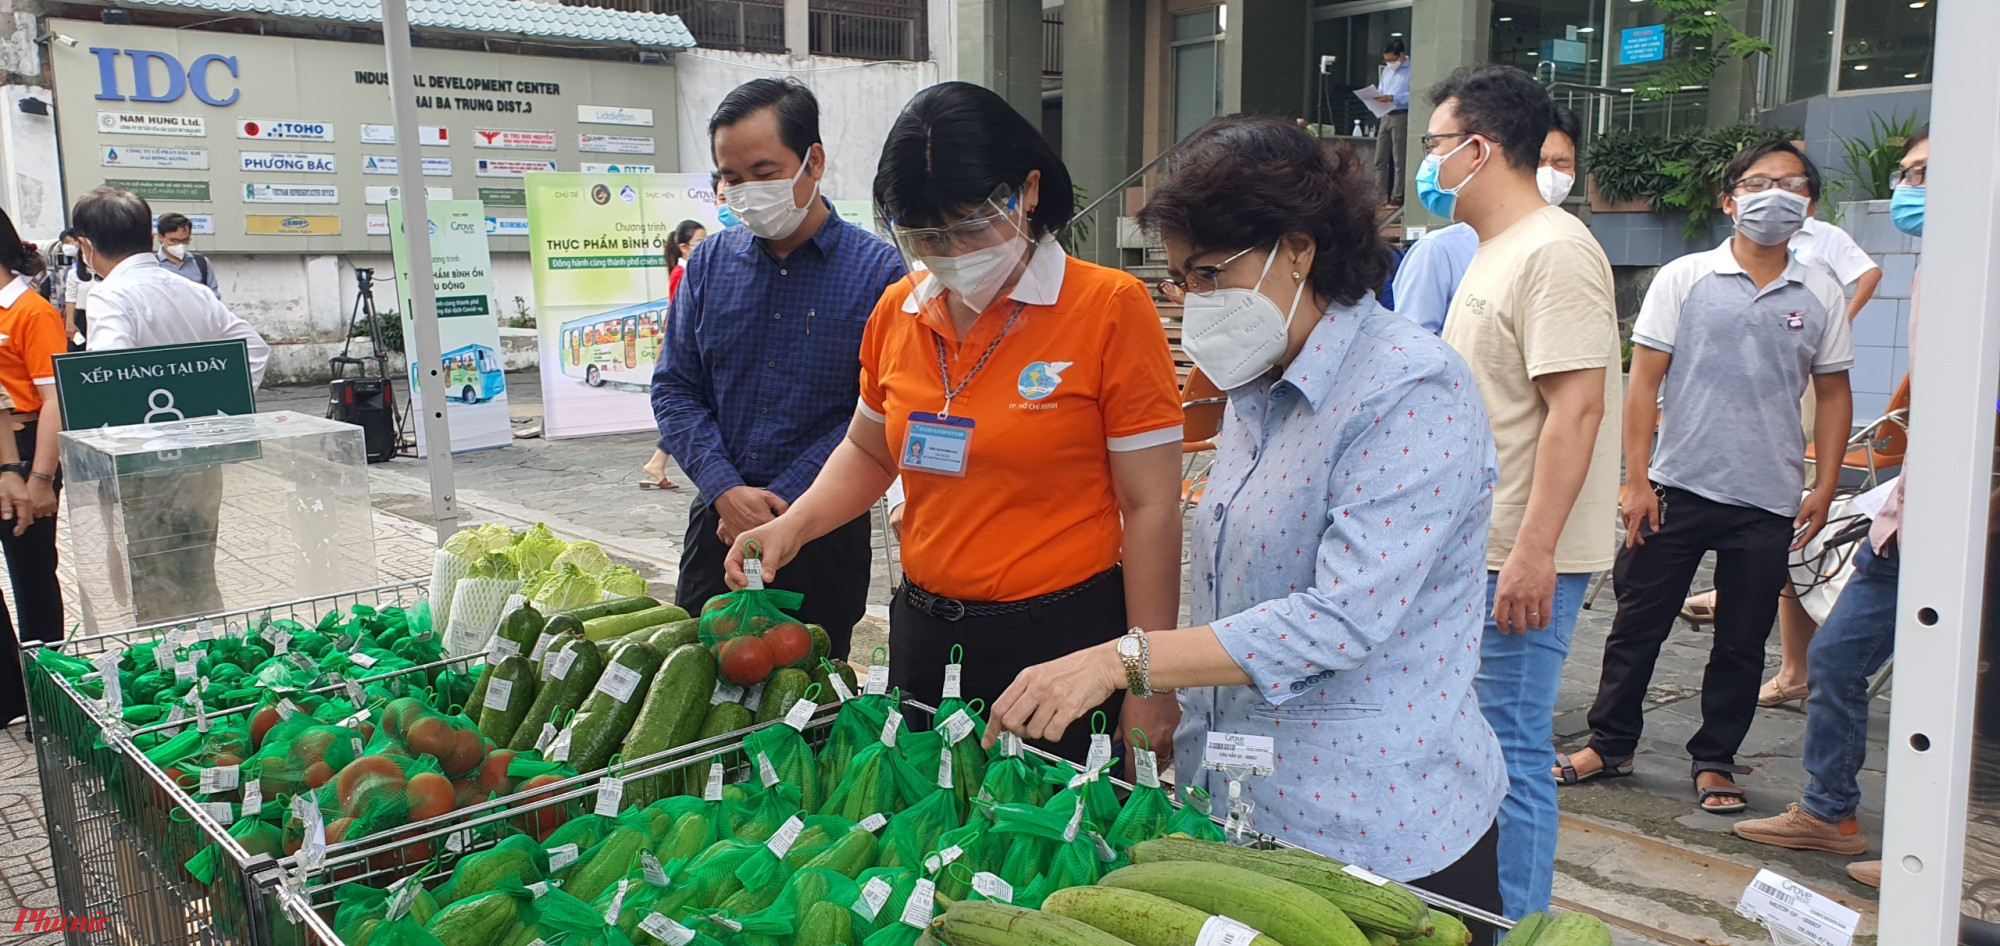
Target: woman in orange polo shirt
(31, 333)
(1027, 399)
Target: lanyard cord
(951, 391)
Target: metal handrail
(1119, 187)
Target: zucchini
(559, 695)
(511, 690)
(1141, 919)
(1446, 930)
(985, 923)
(675, 706)
(666, 637)
(784, 688)
(520, 630)
(608, 712)
(619, 625)
(563, 623)
(1387, 909)
(1280, 909)
(614, 606)
(822, 645)
(722, 718)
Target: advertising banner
(145, 156)
(595, 247)
(475, 381)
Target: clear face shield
(974, 257)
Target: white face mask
(976, 277)
(766, 207)
(177, 250)
(67, 250)
(1555, 185)
(1235, 335)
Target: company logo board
(614, 115)
(382, 195)
(488, 167)
(291, 224)
(285, 161)
(162, 190)
(378, 224)
(507, 226)
(432, 136)
(517, 140)
(145, 156)
(200, 224)
(290, 194)
(134, 123)
(264, 129)
(616, 169)
(387, 164)
(615, 144)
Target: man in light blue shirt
(1392, 135)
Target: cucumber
(826, 924)
(672, 715)
(784, 688)
(842, 669)
(559, 695)
(517, 676)
(1141, 919)
(614, 606)
(1280, 909)
(822, 645)
(521, 628)
(666, 637)
(1446, 930)
(619, 625)
(721, 718)
(477, 701)
(563, 623)
(604, 718)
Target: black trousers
(1473, 880)
(998, 648)
(831, 572)
(1652, 580)
(31, 567)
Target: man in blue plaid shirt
(761, 370)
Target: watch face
(1128, 647)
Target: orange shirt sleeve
(41, 329)
(1141, 398)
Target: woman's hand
(1046, 698)
(42, 500)
(15, 506)
(777, 544)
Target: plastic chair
(1202, 404)
(1881, 444)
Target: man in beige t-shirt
(1534, 317)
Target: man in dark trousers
(762, 367)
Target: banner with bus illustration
(468, 324)
(596, 250)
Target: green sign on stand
(162, 190)
(156, 385)
(504, 196)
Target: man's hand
(743, 508)
(1811, 517)
(1157, 716)
(1639, 506)
(1385, 98)
(1526, 592)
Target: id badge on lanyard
(937, 443)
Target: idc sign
(160, 77)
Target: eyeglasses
(1431, 141)
(1911, 176)
(1199, 279)
(1797, 184)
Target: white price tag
(1147, 765)
(725, 692)
(458, 840)
(992, 887)
(874, 894)
(782, 839)
(839, 684)
(666, 931)
(649, 867)
(548, 736)
(364, 661)
(497, 692)
(184, 669)
(873, 823)
(610, 796)
(219, 778)
(539, 888)
(1100, 751)
(541, 647)
(314, 849)
(163, 656)
(559, 749)
(1779, 902)
(354, 694)
(354, 742)
(1365, 874)
(753, 573)
(501, 649)
(878, 680)
(754, 700)
(402, 894)
(1104, 851)
(281, 642)
(558, 665)
(713, 792)
(107, 669)
(917, 909)
(1223, 931)
(561, 855)
(1228, 750)
(204, 631)
(619, 681)
(1083, 778)
(287, 709)
(891, 727)
(944, 767)
(1010, 745)
(224, 814)
(765, 771)
(943, 859)
(957, 727)
(1075, 822)
(253, 797)
(617, 904)
(800, 714)
(952, 675)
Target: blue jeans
(1855, 641)
(1519, 675)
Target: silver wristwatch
(1136, 654)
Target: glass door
(1197, 61)
(1354, 34)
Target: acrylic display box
(170, 521)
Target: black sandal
(1608, 768)
(1729, 791)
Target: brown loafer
(1868, 872)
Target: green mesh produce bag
(929, 768)
(476, 912)
(683, 826)
(875, 783)
(710, 879)
(362, 911)
(1013, 777)
(517, 857)
(963, 854)
(1074, 861)
(754, 815)
(906, 912)
(254, 835)
(560, 917)
(1192, 817)
(779, 754)
(1147, 809)
(784, 918)
(859, 723)
(598, 868)
(962, 727)
(914, 834)
(752, 610)
(634, 898)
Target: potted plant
(1625, 171)
(1695, 172)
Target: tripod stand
(367, 402)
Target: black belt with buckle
(952, 609)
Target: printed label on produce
(200, 708)
(666, 931)
(314, 848)
(724, 922)
(800, 714)
(218, 778)
(917, 909)
(617, 905)
(619, 681)
(649, 867)
(559, 749)
(223, 812)
(1083, 778)
(364, 661)
(944, 767)
(541, 647)
(107, 669)
(561, 855)
(1365, 874)
(1075, 821)
(281, 642)
(1010, 745)
(873, 823)
(1100, 751)
(547, 737)
(874, 894)
(402, 894)
(558, 666)
(458, 840)
(765, 771)
(1104, 851)
(501, 649)
(890, 728)
(610, 795)
(943, 859)
(1223, 931)
(163, 656)
(204, 631)
(184, 669)
(725, 692)
(253, 796)
(840, 689)
(176, 713)
(354, 694)
(957, 727)
(1779, 902)
(781, 840)
(714, 790)
(1227, 750)
(354, 742)
(952, 687)
(539, 888)
(497, 692)
(992, 887)
(1146, 764)
(878, 680)
(754, 700)
(287, 709)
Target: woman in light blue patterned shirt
(1340, 547)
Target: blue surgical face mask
(1906, 209)
(1435, 198)
(727, 216)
